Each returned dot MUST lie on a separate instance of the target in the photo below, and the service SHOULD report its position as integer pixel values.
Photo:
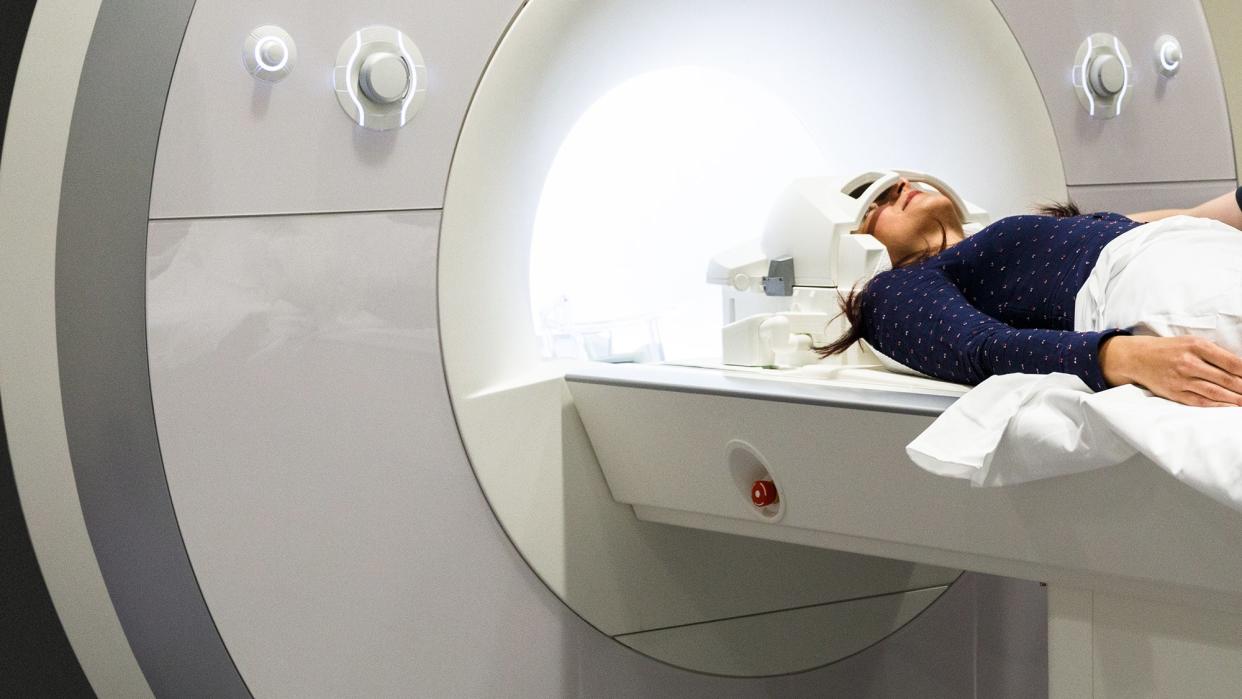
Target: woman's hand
(1186, 369)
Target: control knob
(1168, 55)
(1108, 76)
(269, 53)
(1103, 75)
(384, 77)
(380, 78)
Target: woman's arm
(921, 319)
(1227, 208)
(1187, 369)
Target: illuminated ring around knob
(1103, 76)
(269, 53)
(1168, 55)
(367, 66)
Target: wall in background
(1225, 22)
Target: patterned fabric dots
(985, 307)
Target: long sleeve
(920, 318)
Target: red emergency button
(763, 493)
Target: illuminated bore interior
(658, 175)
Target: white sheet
(1178, 276)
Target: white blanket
(1177, 276)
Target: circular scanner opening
(611, 149)
(656, 176)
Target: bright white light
(660, 174)
(413, 78)
(259, 58)
(351, 81)
(1125, 74)
(1165, 51)
(1086, 85)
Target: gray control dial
(384, 77)
(1108, 76)
(1103, 76)
(380, 78)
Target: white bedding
(1177, 276)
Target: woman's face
(904, 216)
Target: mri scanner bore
(620, 190)
(414, 299)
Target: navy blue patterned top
(999, 302)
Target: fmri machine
(466, 347)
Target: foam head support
(814, 216)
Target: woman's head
(896, 226)
(912, 222)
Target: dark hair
(1059, 209)
(852, 304)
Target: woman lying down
(1092, 337)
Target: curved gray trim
(101, 337)
(39, 661)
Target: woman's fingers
(1197, 401)
(1214, 394)
(1219, 373)
(1213, 375)
(1187, 369)
(1220, 357)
